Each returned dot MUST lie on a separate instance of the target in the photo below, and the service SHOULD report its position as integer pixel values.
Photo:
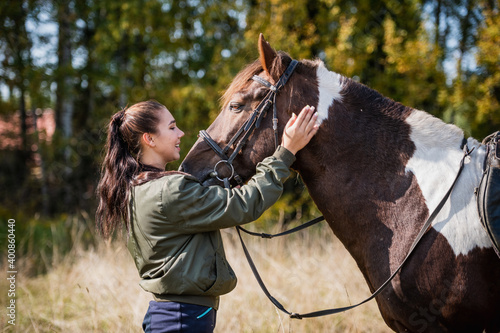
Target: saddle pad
(488, 199)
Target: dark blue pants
(169, 317)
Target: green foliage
(42, 242)
(487, 85)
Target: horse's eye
(235, 107)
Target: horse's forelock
(240, 81)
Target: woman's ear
(148, 140)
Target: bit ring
(230, 167)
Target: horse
(376, 170)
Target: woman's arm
(199, 208)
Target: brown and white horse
(376, 170)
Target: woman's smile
(164, 146)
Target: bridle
(247, 129)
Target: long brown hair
(121, 163)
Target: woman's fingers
(300, 129)
(309, 121)
(303, 119)
(312, 120)
(312, 127)
(291, 121)
(304, 116)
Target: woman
(173, 221)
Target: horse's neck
(373, 145)
(377, 165)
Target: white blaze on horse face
(329, 87)
(435, 164)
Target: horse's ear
(266, 54)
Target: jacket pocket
(225, 280)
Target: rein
(246, 131)
(326, 312)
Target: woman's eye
(235, 107)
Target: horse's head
(240, 101)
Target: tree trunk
(123, 64)
(65, 92)
(437, 18)
(65, 88)
(43, 174)
(466, 29)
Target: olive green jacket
(174, 233)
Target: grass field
(97, 290)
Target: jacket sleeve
(197, 208)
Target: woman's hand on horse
(300, 129)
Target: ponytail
(120, 165)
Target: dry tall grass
(97, 290)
